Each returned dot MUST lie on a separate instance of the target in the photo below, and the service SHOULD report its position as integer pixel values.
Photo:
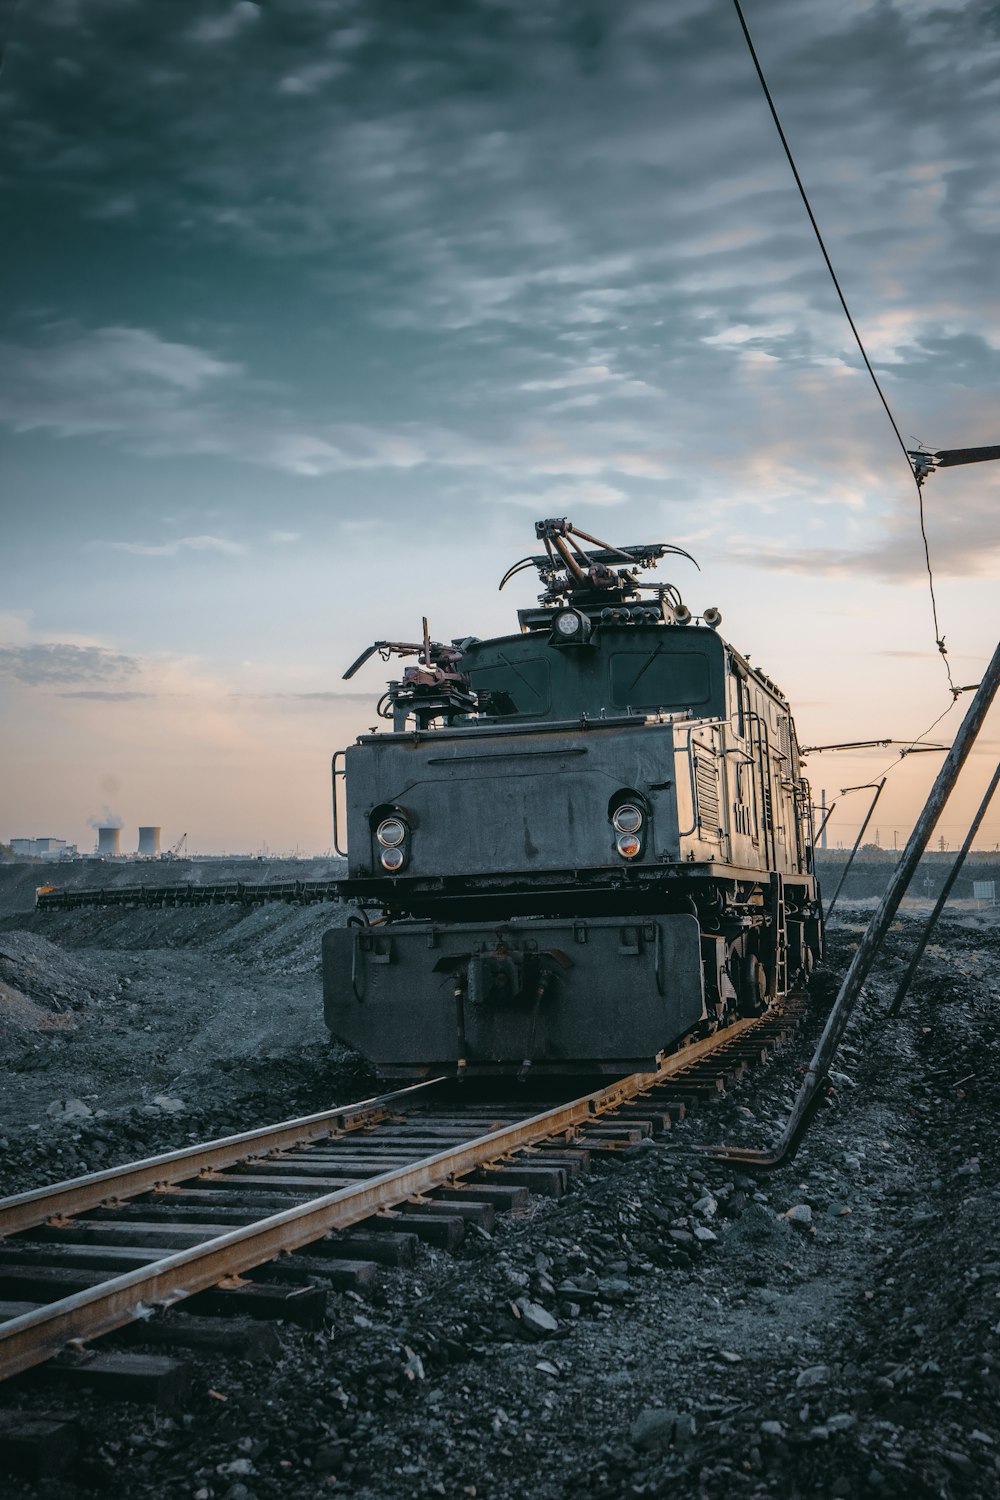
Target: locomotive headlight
(392, 859)
(390, 833)
(628, 845)
(570, 627)
(568, 623)
(627, 818)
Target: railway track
(262, 1223)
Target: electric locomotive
(578, 846)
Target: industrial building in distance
(109, 846)
(43, 848)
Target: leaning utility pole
(946, 889)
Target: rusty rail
(33, 1337)
(78, 1194)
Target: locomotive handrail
(763, 761)
(538, 726)
(359, 995)
(685, 833)
(725, 791)
(805, 825)
(336, 825)
(658, 959)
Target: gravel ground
(126, 1032)
(671, 1327)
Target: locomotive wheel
(753, 988)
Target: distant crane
(175, 849)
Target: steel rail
(36, 1336)
(77, 1194)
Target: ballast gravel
(671, 1327)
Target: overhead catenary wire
(915, 742)
(907, 746)
(938, 637)
(886, 771)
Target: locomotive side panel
(764, 799)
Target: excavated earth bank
(123, 1032)
(707, 1344)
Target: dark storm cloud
(502, 161)
(41, 665)
(512, 198)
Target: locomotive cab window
(518, 686)
(660, 678)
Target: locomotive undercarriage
(577, 977)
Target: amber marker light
(392, 859)
(628, 845)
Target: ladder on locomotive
(779, 930)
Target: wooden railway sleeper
(308, 1177)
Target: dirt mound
(19, 1015)
(217, 1009)
(41, 990)
(29, 963)
(285, 938)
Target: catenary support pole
(819, 839)
(811, 1091)
(857, 845)
(946, 889)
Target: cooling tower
(149, 842)
(109, 841)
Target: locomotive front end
(533, 935)
(534, 848)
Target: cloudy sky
(311, 307)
